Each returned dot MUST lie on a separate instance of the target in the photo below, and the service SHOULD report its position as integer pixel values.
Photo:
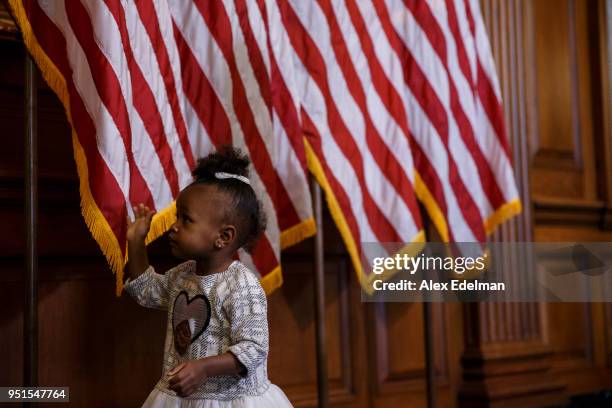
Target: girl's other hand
(139, 229)
(187, 377)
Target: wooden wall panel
(562, 146)
(399, 344)
(401, 330)
(555, 79)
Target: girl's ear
(226, 236)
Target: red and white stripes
(402, 97)
(153, 85)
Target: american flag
(385, 102)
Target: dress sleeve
(150, 289)
(246, 308)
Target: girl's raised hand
(139, 229)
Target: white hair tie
(224, 175)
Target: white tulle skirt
(274, 397)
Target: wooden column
(506, 357)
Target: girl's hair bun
(226, 159)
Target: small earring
(218, 245)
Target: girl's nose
(174, 227)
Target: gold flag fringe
(298, 233)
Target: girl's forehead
(201, 196)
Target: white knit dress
(225, 311)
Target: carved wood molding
(569, 211)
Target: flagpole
(430, 380)
(429, 354)
(319, 297)
(30, 315)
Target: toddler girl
(216, 345)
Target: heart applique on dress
(190, 317)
